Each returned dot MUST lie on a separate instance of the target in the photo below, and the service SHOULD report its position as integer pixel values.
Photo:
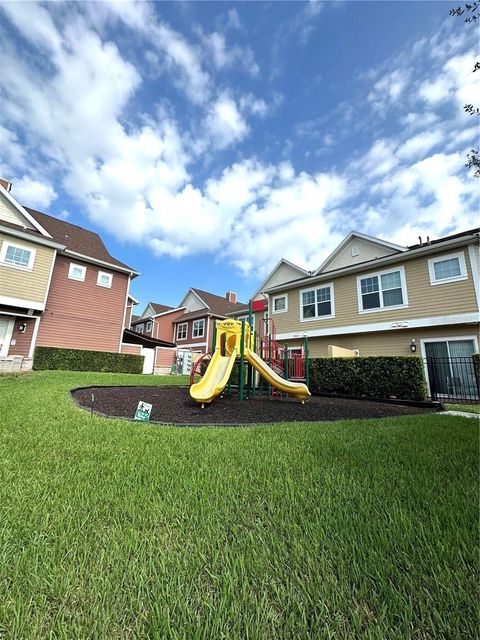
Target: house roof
(133, 337)
(77, 239)
(301, 271)
(410, 252)
(160, 308)
(217, 305)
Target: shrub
(79, 360)
(375, 377)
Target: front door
(6, 330)
(450, 369)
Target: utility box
(184, 362)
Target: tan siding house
(378, 307)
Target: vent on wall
(355, 250)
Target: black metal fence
(453, 379)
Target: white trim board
(19, 302)
(411, 323)
(473, 256)
(6, 194)
(33, 341)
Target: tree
(473, 158)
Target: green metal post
(241, 380)
(214, 336)
(270, 362)
(254, 375)
(249, 366)
(307, 372)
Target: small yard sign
(143, 411)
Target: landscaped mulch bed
(175, 406)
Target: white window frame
(110, 279)
(139, 328)
(403, 283)
(332, 302)
(182, 324)
(283, 295)
(3, 254)
(149, 326)
(200, 335)
(448, 256)
(74, 265)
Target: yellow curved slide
(215, 378)
(296, 389)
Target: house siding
(22, 340)
(196, 342)
(163, 327)
(10, 214)
(384, 343)
(135, 349)
(83, 315)
(367, 250)
(27, 285)
(424, 300)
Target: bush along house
(59, 286)
(371, 297)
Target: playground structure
(234, 340)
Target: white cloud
(388, 89)
(418, 145)
(34, 193)
(224, 123)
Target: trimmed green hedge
(400, 377)
(79, 360)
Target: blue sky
(206, 140)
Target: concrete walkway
(462, 414)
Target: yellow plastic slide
(215, 378)
(296, 389)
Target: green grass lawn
(111, 529)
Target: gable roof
(78, 241)
(160, 308)
(218, 305)
(363, 236)
(426, 248)
(23, 211)
(301, 272)
(213, 305)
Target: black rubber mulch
(174, 405)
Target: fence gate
(453, 379)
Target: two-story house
(194, 328)
(378, 298)
(157, 321)
(59, 285)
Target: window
(139, 328)
(382, 290)
(317, 303)
(77, 272)
(182, 331)
(149, 325)
(104, 279)
(16, 255)
(280, 304)
(448, 268)
(198, 328)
